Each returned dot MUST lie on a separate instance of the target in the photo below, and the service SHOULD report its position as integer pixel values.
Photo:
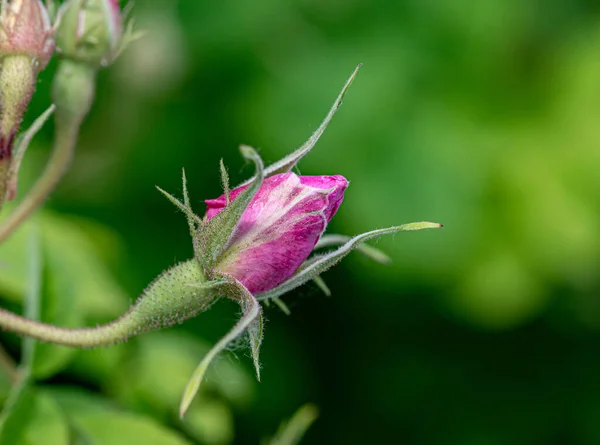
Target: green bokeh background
(484, 116)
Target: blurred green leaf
(124, 429)
(160, 365)
(100, 365)
(210, 422)
(74, 400)
(46, 424)
(29, 418)
(35, 419)
(98, 421)
(77, 285)
(16, 414)
(68, 244)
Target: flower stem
(176, 295)
(119, 330)
(73, 93)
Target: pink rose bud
(25, 29)
(279, 228)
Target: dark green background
(484, 116)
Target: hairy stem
(176, 295)
(73, 93)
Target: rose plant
(253, 244)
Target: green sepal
(281, 305)
(369, 251)
(251, 321)
(318, 264)
(291, 431)
(320, 282)
(224, 180)
(189, 213)
(289, 162)
(21, 145)
(216, 233)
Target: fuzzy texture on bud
(25, 29)
(90, 31)
(279, 228)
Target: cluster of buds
(85, 32)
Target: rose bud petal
(90, 31)
(25, 29)
(279, 228)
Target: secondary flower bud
(90, 31)
(279, 228)
(26, 46)
(25, 30)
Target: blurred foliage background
(481, 115)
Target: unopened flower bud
(26, 46)
(279, 228)
(25, 30)
(90, 31)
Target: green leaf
(47, 424)
(77, 289)
(99, 365)
(217, 232)
(287, 163)
(33, 297)
(98, 421)
(122, 428)
(77, 401)
(16, 415)
(210, 422)
(99, 296)
(169, 357)
(36, 419)
(314, 266)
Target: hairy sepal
(316, 265)
(289, 162)
(216, 233)
(251, 321)
(369, 251)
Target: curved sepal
(251, 321)
(369, 251)
(216, 233)
(21, 145)
(320, 263)
(289, 162)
